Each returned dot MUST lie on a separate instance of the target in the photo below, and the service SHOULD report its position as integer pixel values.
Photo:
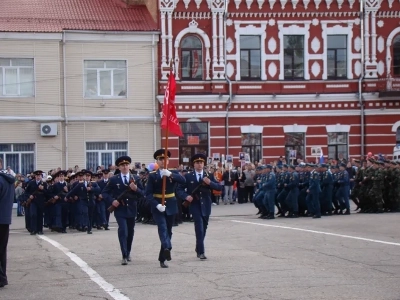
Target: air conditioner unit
(48, 129)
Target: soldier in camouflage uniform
(376, 191)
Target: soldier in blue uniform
(313, 191)
(197, 191)
(293, 193)
(269, 187)
(327, 188)
(103, 215)
(163, 215)
(124, 191)
(59, 191)
(37, 195)
(284, 190)
(344, 189)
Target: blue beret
(268, 167)
(342, 165)
(285, 165)
(279, 166)
(324, 165)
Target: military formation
(310, 190)
(83, 200)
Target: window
(251, 144)
(193, 141)
(294, 141)
(101, 153)
(250, 57)
(396, 56)
(337, 56)
(20, 157)
(105, 78)
(16, 77)
(338, 145)
(191, 58)
(293, 56)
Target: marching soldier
(59, 192)
(313, 191)
(269, 188)
(197, 192)
(292, 187)
(124, 191)
(163, 215)
(37, 196)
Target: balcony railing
(389, 87)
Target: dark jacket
(7, 192)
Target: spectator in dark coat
(6, 204)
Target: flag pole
(164, 180)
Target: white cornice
(115, 37)
(197, 99)
(30, 36)
(75, 119)
(84, 36)
(295, 113)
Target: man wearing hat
(197, 191)
(163, 215)
(124, 191)
(37, 194)
(344, 189)
(103, 215)
(314, 189)
(59, 191)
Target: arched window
(398, 136)
(396, 56)
(191, 58)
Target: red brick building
(267, 77)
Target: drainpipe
(360, 96)
(228, 106)
(65, 102)
(153, 87)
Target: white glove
(160, 207)
(165, 172)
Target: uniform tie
(199, 177)
(125, 180)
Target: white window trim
(3, 85)
(98, 78)
(295, 128)
(395, 126)
(251, 129)
(338, 30)
(192, 28)
(338, 128)
(19, 156)
(389, 48)
(294, 29)
(105, 151)
(250, 29)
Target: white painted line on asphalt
(320, 232)
(94, 276)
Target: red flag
(169, 119)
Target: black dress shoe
(64, 231)
(167, 254)
(124, 262)
(40, 232)
(33, 233)
(202, 256)
(316, 217)
(128, 258)
(163, 265)
(89, 232)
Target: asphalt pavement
(337, 257)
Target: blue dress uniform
(314, 189)
(39, 192)
(163, 219)
(125, 213)
(344, 189)
(293, 195)
(59, 190)
(200, 207)
(103, 215)
(269, 187)
(327, 188)
(85, 202)
(284, 191)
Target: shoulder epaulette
(152, 172)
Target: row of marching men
(74, 202)
(308, 190)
